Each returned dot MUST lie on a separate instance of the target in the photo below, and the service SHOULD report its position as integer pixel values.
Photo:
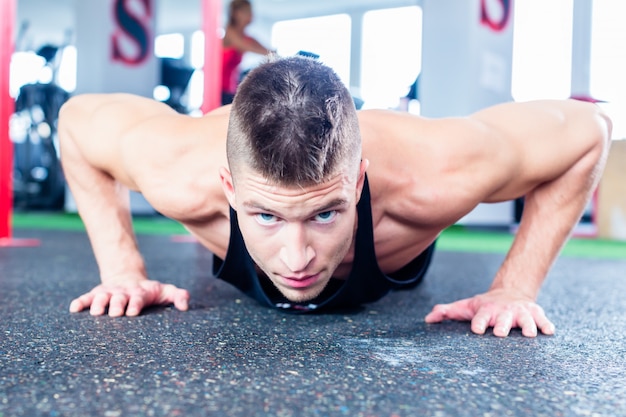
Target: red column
(211, 18)
(7, 107)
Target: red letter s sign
(132, 39)
(495, 14)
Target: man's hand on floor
(500, 309)
(129, 298)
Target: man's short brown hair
(294, 122)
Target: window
(195, 90)
(608, 61)
(391, 55)
(327, 36)
(171, 45)
(542, 49)
(197, 49)
(26, 68)
(29, 68)
(67, 69)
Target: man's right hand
(130, 298)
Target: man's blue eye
(326, 216)
(266, 218)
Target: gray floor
(228, 356)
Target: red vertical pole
(211, 23)
(7, 107)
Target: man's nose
(296, 252)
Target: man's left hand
(498, 308)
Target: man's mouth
(299, 282)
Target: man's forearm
(551, 212)
(108, 222)
(103, 205)
(539, 239)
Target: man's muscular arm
(561, 149)
(92, 129)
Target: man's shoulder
(175, 164)
(390, 133)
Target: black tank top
(365, 284)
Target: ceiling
(48, 21)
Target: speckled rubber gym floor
(228, 356)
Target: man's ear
(228, 186)
(361, 179)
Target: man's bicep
(546, 137)
(467, 161)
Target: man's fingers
(481, 321)
(76, 306)
(130, 299)
(498, 309)
(527, 323)
(504, 322)
(171, 294)
(547, 328)
(182, 300)
(80, 303)
(459, 310)
(543, 323)
(117, 304)
(437, 314)
(135, 304)
(503, 325)
(168, 294)
(99, 304)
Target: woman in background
(235, 44)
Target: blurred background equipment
(38, 181)
(175, 75)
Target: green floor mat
(455, 238)
(464, 239)
(68, 221)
